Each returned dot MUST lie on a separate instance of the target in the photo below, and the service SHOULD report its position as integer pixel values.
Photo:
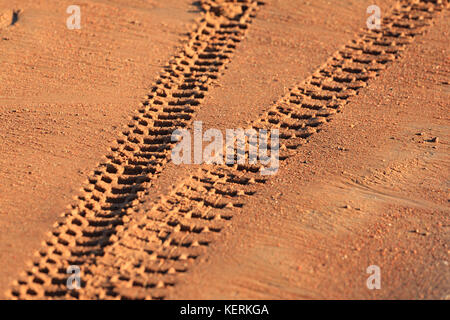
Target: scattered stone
(434, 139)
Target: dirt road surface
(86, 176)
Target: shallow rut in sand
(128, 249)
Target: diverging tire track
(122, 179)
(142, 252)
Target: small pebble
(435, 139)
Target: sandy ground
(64, 95)
(371, 188)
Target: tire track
(145, 255)
(158, 245)
(138, 156)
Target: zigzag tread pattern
(137, 157)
